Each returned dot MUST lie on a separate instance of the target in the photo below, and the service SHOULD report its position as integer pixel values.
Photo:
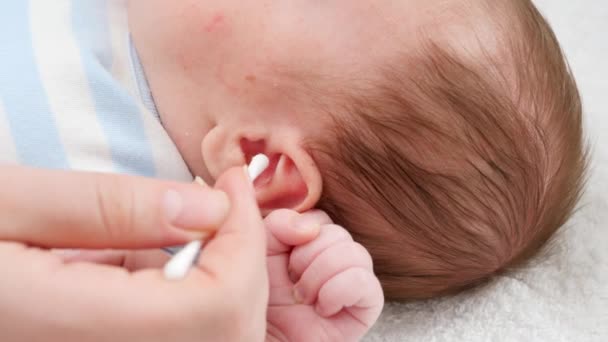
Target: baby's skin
(322, 290)
(229, 80)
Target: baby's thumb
(287, 228)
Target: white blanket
(564, 295)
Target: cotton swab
(258, 165)
(182, 261)
(173, 250)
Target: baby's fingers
(328, 264)
(303, 256)
(356, 289)
(287, 228)
(353, 301)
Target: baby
(445, 135)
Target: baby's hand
(322, 283)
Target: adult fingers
(111, 302)
(105, 257)
(61, 209)
(235, 259)
(129, 260)
(239, 247)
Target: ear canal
(292, 179)
(282, 186)
(251, 148)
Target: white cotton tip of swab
(181, 262)
(258, 165)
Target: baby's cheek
(252, 81)
(210, 45)
(223, 47)
(216, 23)
(205, 38)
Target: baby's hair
(459, 168)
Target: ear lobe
(289, 183)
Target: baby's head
(446, 137)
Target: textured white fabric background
(564, 297)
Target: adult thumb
(62, 209)
(238, 251)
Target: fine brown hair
(459, 168)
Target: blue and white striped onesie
(73, 94)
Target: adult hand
(322, 283)
(44, 298)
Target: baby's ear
(292, 181)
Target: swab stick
(179, 265)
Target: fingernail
(196, 209)
(200, 181)
(292, 276)
(298, 296)
(306, 223)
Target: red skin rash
(210, 27)
(217, 21)
(219, 26)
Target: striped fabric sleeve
(71, 95)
